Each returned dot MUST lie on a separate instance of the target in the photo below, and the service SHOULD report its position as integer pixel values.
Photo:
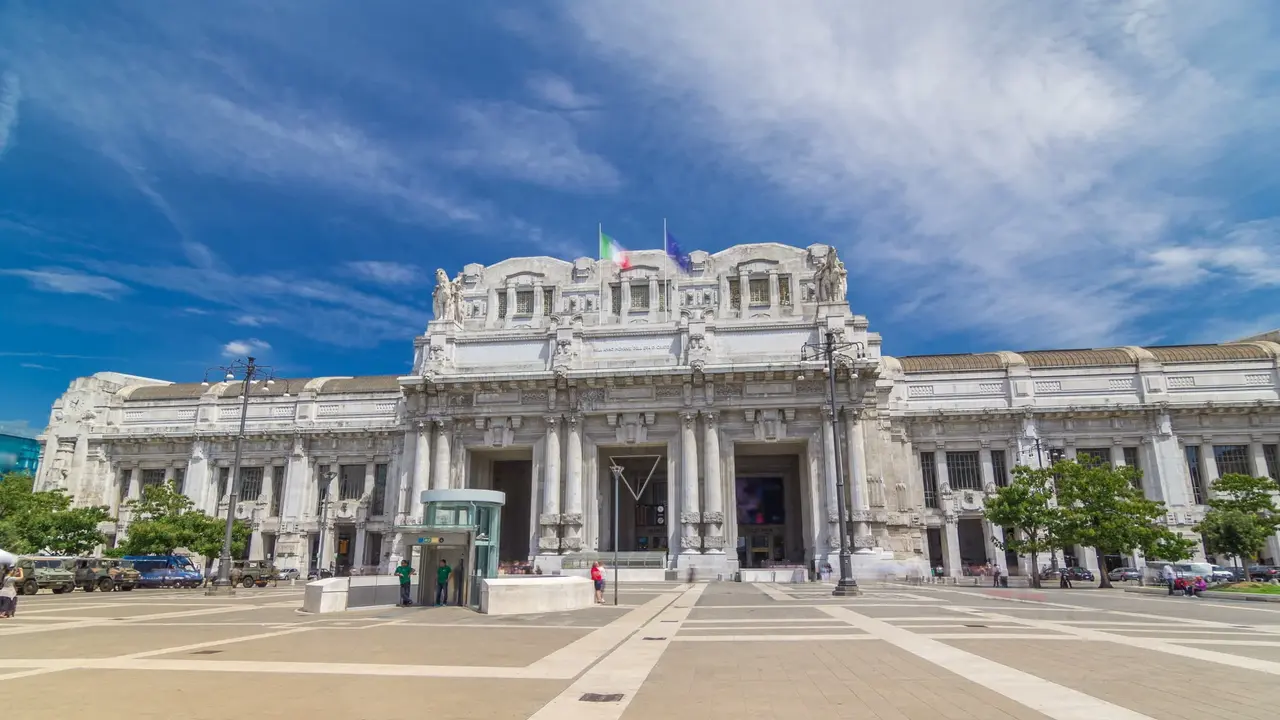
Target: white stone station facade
(538, 374)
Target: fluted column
(421, 473)
(440, 474)
(550, 519)
(690, 517)
(713, 513)
(829, 484)
(573, 485)
(858, 480)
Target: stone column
(951, 542)
(198, 477)
(537, 304)
(573, 519)
(744, 294)
(331, 493)
(774, 293)
(653, 299)
(366, 494)
(511, 305)
(421, 473)
(135, 484)
(690, 516)
(549, 520)
(713, 515)
(1258, 460)
(440, 474)
(829, 481)
(357, 558)
(1210, 462)
(858, 501)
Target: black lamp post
(249, 372)
(827, 350)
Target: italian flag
(611, 250)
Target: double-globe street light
(827, 350)
(251, 373)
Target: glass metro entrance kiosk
(461, 528)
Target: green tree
(1242, 515)
(33, 522)
(164, 520)
(1025, 509)
(1103, 507)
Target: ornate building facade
(538, 376)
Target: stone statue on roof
(832, 279)
(447, 297)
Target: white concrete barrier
(326, 596)
(625, 575)
(522, 594)
(774, 575)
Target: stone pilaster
(713, 493)
(572, 518)
(690, 516)
(858, 500)
(549, 520)
(829, 481)
(440, 475)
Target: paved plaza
(668, 650)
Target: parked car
(37, 573)
(1073, 573)
(288, 574)
(105, 574)
(1264, 573)
(165, 571)
(1225, 574)
(249, 573)
(1124, 574)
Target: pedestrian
(8, 593)
(1170, 576)
(1064, 579)
(995, 576)
(404, 571)
(597, 579)
(442, 583)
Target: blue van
(165, 571)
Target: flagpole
(600, 270)
(666, 270)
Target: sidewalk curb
(1212, 595)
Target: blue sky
(180, 185)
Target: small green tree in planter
(1242, 515)
(1025, 508)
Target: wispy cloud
(1247, 254)
(515, 142)
(70, 282)
(252, 320)
(35, 366)
(57, 356)
(10, 94)
(384, 272)
(240, 348)
(560, 94)
(1002, 166)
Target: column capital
(573, 420)
(826, 412)
(552, 421)
(688, 417)
(443, 423)
(711, 417)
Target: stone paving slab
(396, 644)
(786, 681)
(701, 612)
(77, 693)
(1154, 683)
(1261, 652)
(108, 641)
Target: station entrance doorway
(455, 549)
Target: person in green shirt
(404, 572)
(442, 583)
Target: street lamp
(827, 350)
(249, 372)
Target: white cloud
(252, 320)
(10, 95)
(1247, 255)
(35, 366)
(240, 348)
(385, 273)
(559, 93)
(518, 143)
(1003, 165)
(70, 282)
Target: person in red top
(597, 577)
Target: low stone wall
(773, 575)
(523, 594)
(625, 575)
(348, 593)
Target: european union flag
(673, 251)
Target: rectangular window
(615, 298)
(759, 289)
(929, 474)
(322, 486)
(1232, 459)
(1094, 456)
(377, 506)
(373, 548)
(1131, 457)
(502, 304)
(548, 300)
(524, 302)
(152, 477)
(640, 296)
(180, 480)
(735, 294)
(784, 289)
(1000, 467)
(250, 483)
(277, 489)
(1270, 453)
(350, 482)
(964, 471)
(1197, 478)
(224, 477)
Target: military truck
(249, 573)
(105, 574)
(36, 573)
